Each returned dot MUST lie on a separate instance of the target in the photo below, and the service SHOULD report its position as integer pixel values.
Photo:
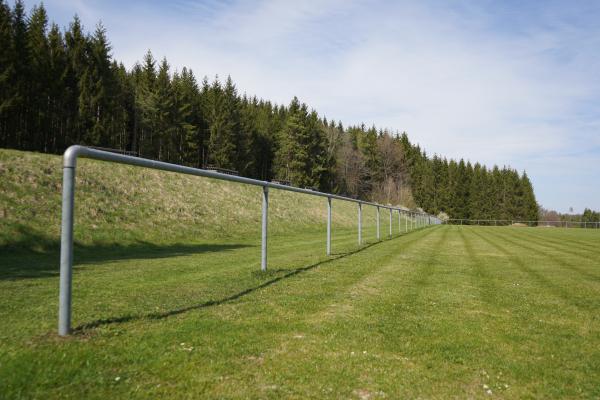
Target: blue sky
(501, 82)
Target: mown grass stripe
(555, 245)
(485, 281)
(567, 297)
(585, 238)
(388, 265)
(555, 256)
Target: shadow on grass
(21, 261)
(279, 275)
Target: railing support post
(265, 219)
(329, 226)
(406, 222)
(359, 224)
(391, 233)
(378, 233)
(66, 251)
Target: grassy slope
(436, 313)
(116, 203)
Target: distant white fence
(514, 222)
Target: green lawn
(448, 311)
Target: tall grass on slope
(124, 204)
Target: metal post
(265, 218)
(359, 224)
(378, 234)
(406, 222)
(66, 251)
(329, 226)
(391, 233)
(399, 221)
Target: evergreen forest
(62, 86)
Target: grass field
(163, 312)
(441, 312)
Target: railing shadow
(21, 262)
(285, 274)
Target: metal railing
(417, 219)
(515, 222)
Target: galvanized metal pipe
(76, 151)
(391, 233)
(359, 224)
(378, 234)
(265, 223)
(66, 251)
(329, 226)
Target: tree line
(588, 215)
(61, 87)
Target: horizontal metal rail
(419, 219)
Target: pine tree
(453, 190)
(530, 207)
(146, 106)
(122, 122)
(441, 196)
(292, 156)
(163, 119)
(57, 81)
(476, 193)
(7, 77)
(222, 112)
(76, 49)
(37, 90)
(21, 74)
(187, 117)
(99, 84)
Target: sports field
(441, 312)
